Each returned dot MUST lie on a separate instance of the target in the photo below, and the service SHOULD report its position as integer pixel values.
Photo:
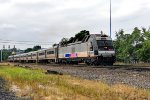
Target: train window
(50, 52)
(33, 55)
(104, 36)
(42, 53)
(105, 44)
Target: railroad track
(131, 75)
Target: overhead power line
(14, 42)
(24, 41)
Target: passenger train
(94, 49)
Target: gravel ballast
(131, 75)
(4, 93)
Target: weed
(37, 85)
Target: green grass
(37, 84)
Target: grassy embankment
(37, 84)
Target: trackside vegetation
(34, 83)
(133, 47)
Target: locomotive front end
(105, 53)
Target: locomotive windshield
(105, 44)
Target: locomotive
(94, 49)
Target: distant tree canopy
(64, 41)
(55, 44)
(35, 48)
(28, 50)
(134, 46)
(78, 37)
(5, 54)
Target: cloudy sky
(28, 22)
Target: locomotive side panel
(79, 50)
(63, 50)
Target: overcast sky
(50, 20)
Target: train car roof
(50, 48)
(41, 50)
(16, 55)
(10, 56)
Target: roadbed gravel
(138, 77)
(4, 93)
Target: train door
(56, 54)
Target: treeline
(78, 37)
(35, 48)
(133, 47)
(7, 52)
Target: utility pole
(9, 48)
(110, 18)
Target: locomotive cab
(103, 49)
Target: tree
(136, 35)
(35, 48)
(64, 42)
(55, 44)
(146, 33)
(134, 46)
(5, 54)
(121, 45)
(71, 40)
(145, 51)
(28, 50)
(79, 36)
